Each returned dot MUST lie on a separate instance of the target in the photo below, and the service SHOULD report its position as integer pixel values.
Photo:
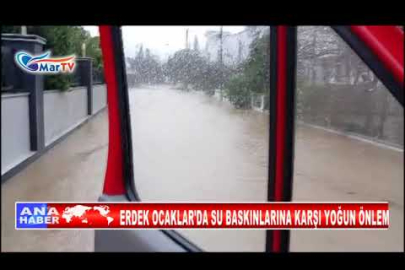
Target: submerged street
(192, 147)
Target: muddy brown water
(191, 147)
(188, 146)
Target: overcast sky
(162, 40)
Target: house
(235, 47)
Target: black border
(173, 13)
(126, 134)
(371, 60)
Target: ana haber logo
(51, 215)
(44, 63)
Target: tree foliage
(238, 92)
(145, 68)
(196, 45)
(61, 40)
(253, 75)
(190, 68)
(93, 50)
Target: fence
(260, 102)
(15, 130)
(98, 76)
(33, 120)
(372, 114)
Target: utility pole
(221, 62)
(220, 45)
(187, 38)
(83, 49)
(313, 73)
(23, 30)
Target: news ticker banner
(38, 215)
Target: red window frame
(380, 47)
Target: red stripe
(387, 43)
(114, 179)
(280, 118)
(55, 60)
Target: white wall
(63, 111)
(15, 130)
(99, 97)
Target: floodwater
(333, 167)
(192, 147)
(73, 170)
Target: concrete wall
(15, 130)
(99, 97)
(63, 111)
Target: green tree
(252, 76)
(145, 68)
(12, 29)
(190, 68)
(93, 50)
(196, 45)
(185, 67)
(256, 68)
(62, 40)
(238, 91)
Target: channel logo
(35, 215)
(44, 64)
(61, 215)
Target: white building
(235, 47)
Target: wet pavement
(191, 147)
(73, 170)
(332, 167)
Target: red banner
(207, 215)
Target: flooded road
(333, 167)
(191, 147)
(73, 170)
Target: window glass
(199, 112)
(349, 142)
